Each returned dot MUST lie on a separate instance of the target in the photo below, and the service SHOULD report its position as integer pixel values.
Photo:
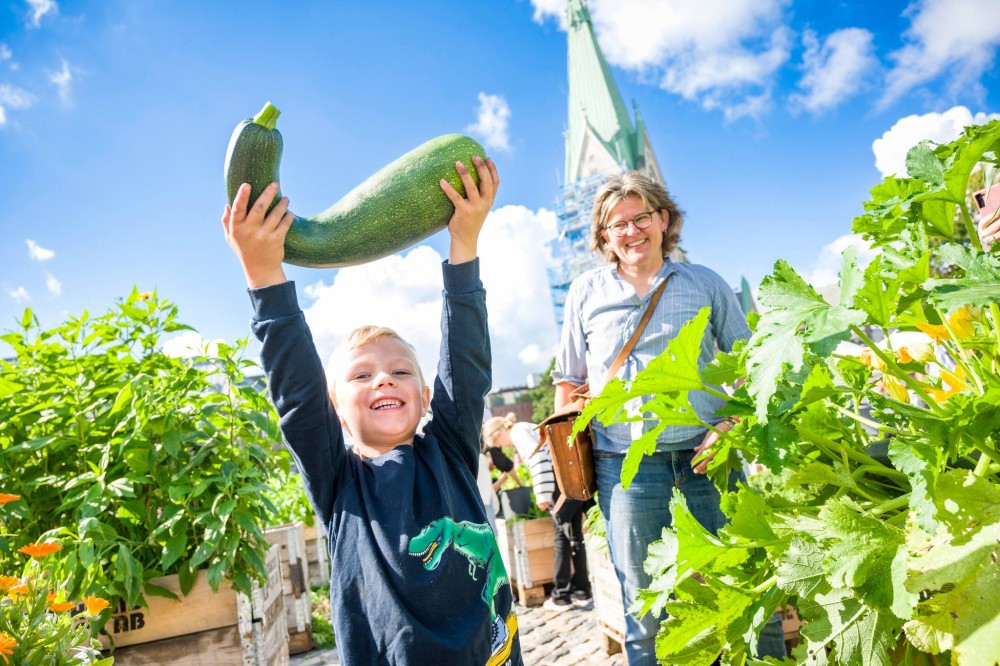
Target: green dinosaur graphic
(474, 541)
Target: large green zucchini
(393, 209)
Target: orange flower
(895, 388)
(7, 645)
(95, 604)
(921, 352)
(18, 590)
(61, 606)
(39, 550)
(956, 384)
(960, 322)
(872, 360)
(7, 582)
(7, 497)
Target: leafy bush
(139, 463)
(880, 518)
(322, 628)
(287, 493)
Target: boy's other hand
(471, 211)
(258, 239)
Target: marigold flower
(921, 352)
(7, 645)
(95, 604)
(7, 497)
(7, 582)
(145, 296)
(61, 606)
(872, 360)
(18, 590)
(39, 550)
(895, 388)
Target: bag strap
(632, 341)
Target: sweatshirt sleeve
(464, 368)
(297, 386)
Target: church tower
(601, 140)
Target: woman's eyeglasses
(640, 221)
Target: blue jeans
(636, 518)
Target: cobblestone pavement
(568, 638)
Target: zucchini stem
(268, 116)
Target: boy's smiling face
(380, 396)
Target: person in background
(635, 224)
(571, 583)
(500, 461)
(490, 499)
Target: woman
(571, 583)
(635, 224)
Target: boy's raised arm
(464, 370)
(258, 239)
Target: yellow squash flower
(95, 604)
(960, 322)
(39, 550)
(872, 360)
(895, 388)
(921, 352)
(954, 380)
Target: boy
(417, 577)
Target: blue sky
(771, 119)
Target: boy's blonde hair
(359, 337)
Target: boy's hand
(258, 240)
(470, 212)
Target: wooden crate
(607, 591)
(527, 550)
(291, 540)
(317, 554)
(204, 628)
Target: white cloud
(403, 292)
(957, 38)
(20, 295)
(890, 150)
(545, 9)
(491, 123)
(37, 252)
(190, 344)
(824, 273)
(835, 69)
(722, 54)
(39, 8)
(5, 53)
(12, 97)
(53, 284)
(62, 80)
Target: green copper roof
(594, 99)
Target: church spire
(601, 136)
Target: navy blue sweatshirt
(417, 577)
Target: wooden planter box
(204, 628)
(527, 550)
(291, 540)
(317, 554)
(607, 593)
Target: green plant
(322, 628)
(35, 622)
(140, 464)
(287, 493)
(880, 518)
(543, 396)
(399, 205)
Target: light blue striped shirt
(603, 310)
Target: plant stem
(766, 585)
(970, 228)
(831, 447)
(267, 117)
(894, 503)
(983, 465)
(881, 427)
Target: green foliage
(543, 396)
(322, 628)
(877, 515)
(287, 493)
(140, 464)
